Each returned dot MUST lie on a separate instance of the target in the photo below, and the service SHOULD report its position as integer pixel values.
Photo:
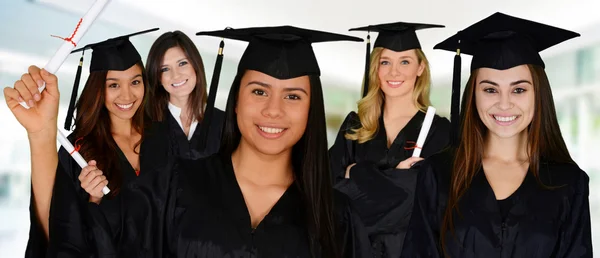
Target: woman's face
(177, 75)
(398, 72)
(272, 114)
(124, 92)
(505, 100)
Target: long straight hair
(310, 163)
(369, 107)
(159, 97)
(93, 124)
(545, 142)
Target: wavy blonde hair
(369, 107)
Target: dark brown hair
(93, 125)
(159, 97)
(545, 142)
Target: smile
(179, 83)
(505, 118)
(125, 107)
(271, 130)
(395, 84)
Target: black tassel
(71, 109)
(367, 67)
(454, 108)
(210, 102)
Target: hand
(407, 163)
(92, 181)
(348, 170)
(43, 107)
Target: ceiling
(341, 61)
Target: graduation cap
(283, 52)
(397, 36)
(116, 54)
(499, 42)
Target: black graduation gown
(382, 194)
(79, 228)
(540, 222)
(206, 216)
(189, 149)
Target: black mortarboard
(499, 42)
(282, 52)
(397, 36)
(117, 54)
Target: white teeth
(179, 84)
(125, 106)
(505, 118)
(394, 83)
(271, 130)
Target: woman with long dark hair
(178, 96)
(509, 188)
(372, 154)
(267, 192)
(112, 133)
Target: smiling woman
(272, 113)
(178, 101)
(111, 132)
(505, 100)
(510, 187)
(267, 192)
(372, 154)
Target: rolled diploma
(75, 154)
(65, 49)
(424, 131)
(59, 58)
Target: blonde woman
(371, 157)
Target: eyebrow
(402, 57)
(266, 85)
(511, 84)
(163, 65)
(115, 79)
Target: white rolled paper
(68, 45)
(75, 154)
(424, 131)
(59, 58)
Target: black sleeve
(575, 234)
(423, 234)
(341, 153)
(70, 231)
(351, 234)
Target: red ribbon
(70, 39)
(77, 146)
(413, 147)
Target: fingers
(348, 170)
(24, 93)
(413, 160)
(12, 97)
(407, 163)
(32, 85)
(94, 184)
(51, 82)
(88, 174)
(96, 191)
(91, 173)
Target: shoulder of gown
(351, 232)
